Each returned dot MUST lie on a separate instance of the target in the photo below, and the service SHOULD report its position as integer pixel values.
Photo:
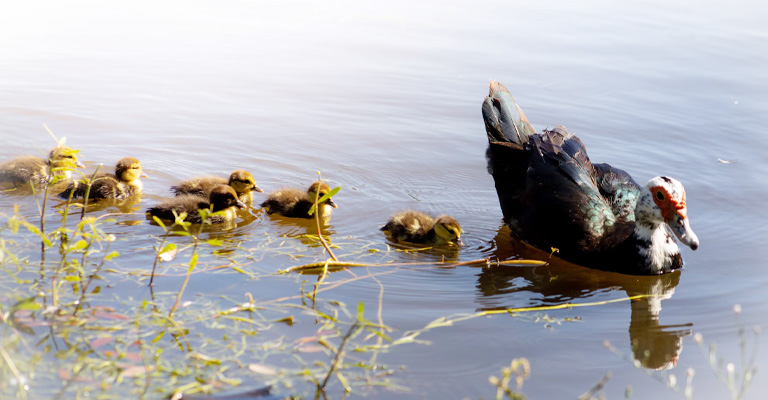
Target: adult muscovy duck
(551, 195)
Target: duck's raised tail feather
(504, 120)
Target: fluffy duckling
(242, 181)
(123, 184)
(417, 227)
(221, 198)
(24, 170)
(295, 203)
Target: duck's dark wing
(619, 189)
(564, 207)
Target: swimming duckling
(295, 203)
(242, 181)
(25, 169)
(417, 227)
(123, 184)
(222, 198)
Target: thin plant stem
(317, 222)
(157, 256)
(88, 191)
(16, 374)
(87, 284)
(192, 263)
(339, 355)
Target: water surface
(384, 99)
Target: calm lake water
(384, 99)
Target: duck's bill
(681, 227)
(331, 203)
(239, 204)
(79, 164)
(257, 189)
(458, 242)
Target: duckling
(123, 184)
(295, 203)
(417, 227)
(221, 198)
(242, 181)
(24, 170)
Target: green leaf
(111, 255)
(158, 337)
(324, 198)
(329, 194)
(79, 245)
(360, 308)
(193, 262)
(215, 242)
(168, 252)
(343, 381)
(159, 222)
(26, 304)
(96, 290)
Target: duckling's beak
(143, 175)
(256, 189)
(458, 242)
(331, 203)
(239, 204)
(79, 164)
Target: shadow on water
(654, 345)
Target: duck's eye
(660, 195)
(67, 156)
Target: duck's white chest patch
(662, 247)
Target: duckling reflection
(654, 345)
(240, 180)
(296, 203)
(22, 171)
(124, 183)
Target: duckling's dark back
(411, 226)
(289, 202)
(23, 170)
(185, 203)
(200, 186)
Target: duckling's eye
(660, 195)
(67, 156)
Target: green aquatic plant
(520, 370)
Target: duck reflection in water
(654, 345)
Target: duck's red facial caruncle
(668, 204)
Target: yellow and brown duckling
(221, 198)
(22, 171)
(124, 183)
(417, 227)
(242, 181)
(296, 203)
